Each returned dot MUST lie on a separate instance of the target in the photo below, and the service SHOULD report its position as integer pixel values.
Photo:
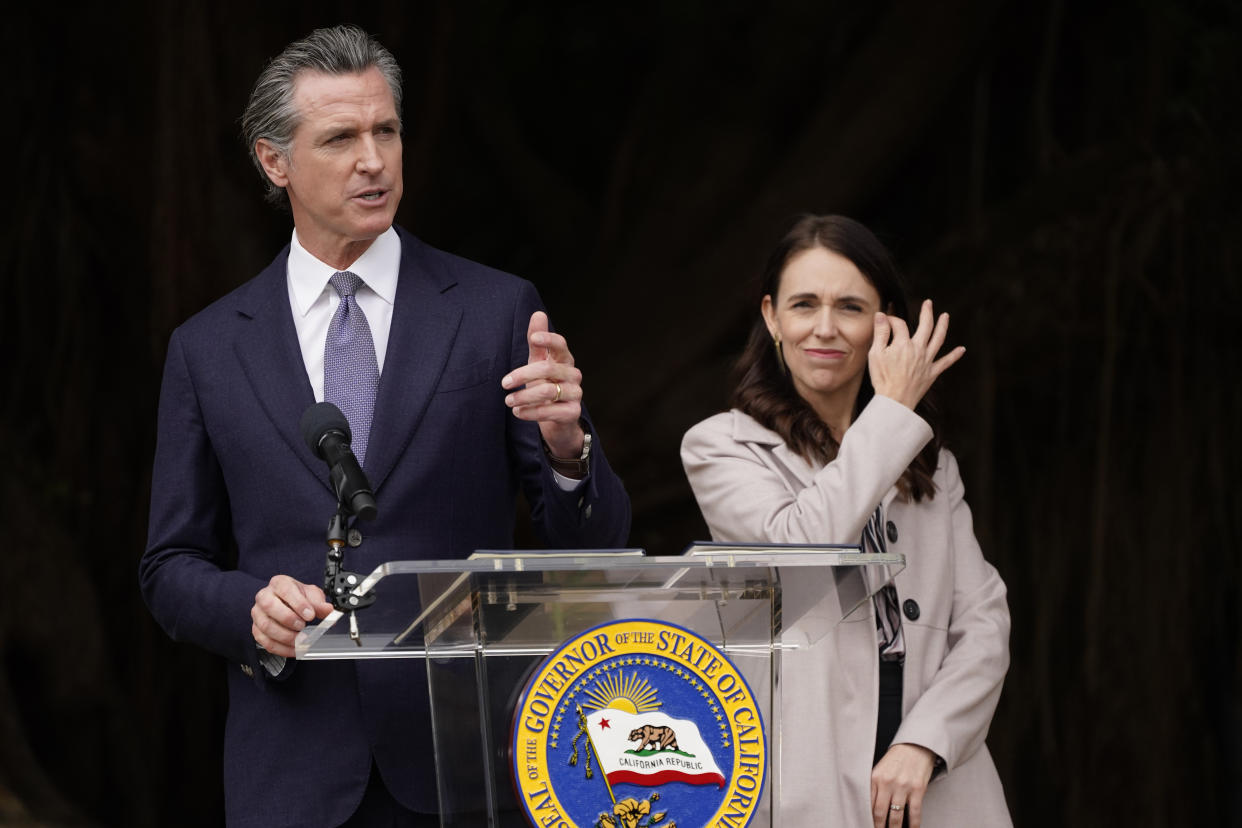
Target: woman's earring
(780, 357)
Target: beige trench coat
(752, 488)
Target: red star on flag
(603, 724)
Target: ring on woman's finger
(896, 807)
(557, 398)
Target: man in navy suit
(476, 397)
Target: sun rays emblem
(632, 694)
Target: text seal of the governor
(637, 724)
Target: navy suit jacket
(237, 497)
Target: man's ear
(274, 162)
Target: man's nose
(370, 160)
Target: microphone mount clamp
(339, 584)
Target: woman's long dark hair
(764, 390)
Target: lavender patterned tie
(350, 370)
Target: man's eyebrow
(336, 128)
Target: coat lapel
(271, 359)
(789, 463)
(425, 322)
(746, 430)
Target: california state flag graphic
(651, 749)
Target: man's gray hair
(271, 113)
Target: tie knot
(345, 283)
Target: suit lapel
(425, 321)
(267, 348)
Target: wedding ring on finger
(558, 393)
(896, 807)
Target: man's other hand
(549, 389)
(282, 609)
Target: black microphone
(326, 432)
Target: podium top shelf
(528, 601)
(697, 556)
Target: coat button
(355, 538)
(891, 531)
(910, 607)
(586, 513)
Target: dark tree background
(1062, 176)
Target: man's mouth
(371, 195)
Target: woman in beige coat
(830, 441)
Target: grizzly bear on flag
(661, 738)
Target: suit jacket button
(910, 607)
(354, 538)
(586, 513)
(891, 531)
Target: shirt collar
(377, 266)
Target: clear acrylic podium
(484, 625)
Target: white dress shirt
(313, 301)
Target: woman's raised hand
(903, 365)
